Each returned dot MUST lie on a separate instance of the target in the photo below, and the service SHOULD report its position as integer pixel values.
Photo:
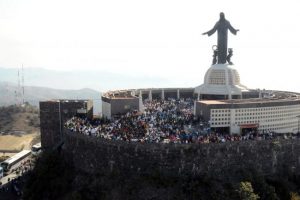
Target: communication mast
(17, 91)
(23, 91)
(20, 90)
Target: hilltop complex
(221, 100)
(156, 143)
(222, 103)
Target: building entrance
(247, 128)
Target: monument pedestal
(221, 81)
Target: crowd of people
(12, 189)
(163, 121)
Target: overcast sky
(159, 38)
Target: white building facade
(280, 116)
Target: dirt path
(15, 142)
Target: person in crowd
(163, 121)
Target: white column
(260, 95)
(234, 128)
(150, 95)
(198, 97)
(141, 105)
(163, 94)
(178, 94)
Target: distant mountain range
(99, 80)
(11, 94)
(43, 84)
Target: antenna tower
(23, 91)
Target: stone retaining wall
(93, 155)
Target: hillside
(10, 94)
(19, 127)
(19, 119)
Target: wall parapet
(94, 155)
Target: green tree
(246, 191)
(295, 196)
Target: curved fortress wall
(94, 155)
(164, 93)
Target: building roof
(66, 100)
(119, 94)
(249, 101)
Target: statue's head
(222, 16)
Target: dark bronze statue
(215, 55)
(222, 27)
(228, 58)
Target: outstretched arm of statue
(232, 30)
(212, 31)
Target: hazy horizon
(99, 80)
(157, 43)
(88, 79)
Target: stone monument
(221, 80)
(222, 26)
